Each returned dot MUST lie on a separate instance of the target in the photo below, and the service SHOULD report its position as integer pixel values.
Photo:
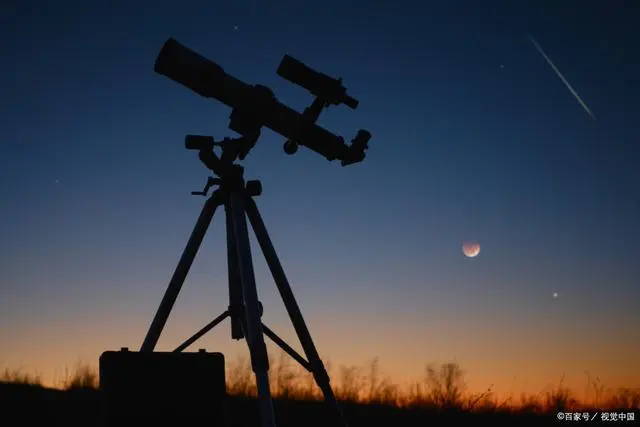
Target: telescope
(254, 106)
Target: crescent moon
(471, 249)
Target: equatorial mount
(228, 174)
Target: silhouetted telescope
(255, 106)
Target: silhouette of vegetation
(369, 397)
(19, 376)
(82, 376)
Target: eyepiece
(361, 140)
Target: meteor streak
(575, 94)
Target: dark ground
(37, 406)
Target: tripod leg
(319, 371)
(180, 273)
(253, 333)
(235, 286)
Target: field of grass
(367, 397)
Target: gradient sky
(474, 137)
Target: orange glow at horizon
(528, 363)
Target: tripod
(244, 309)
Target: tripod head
(223, 166)
(254, 106)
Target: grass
(19, 376)
(442, 388)
(365, 389)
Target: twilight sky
(474, 137)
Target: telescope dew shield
(201, 75)
(188, 68)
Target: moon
(471, 249)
